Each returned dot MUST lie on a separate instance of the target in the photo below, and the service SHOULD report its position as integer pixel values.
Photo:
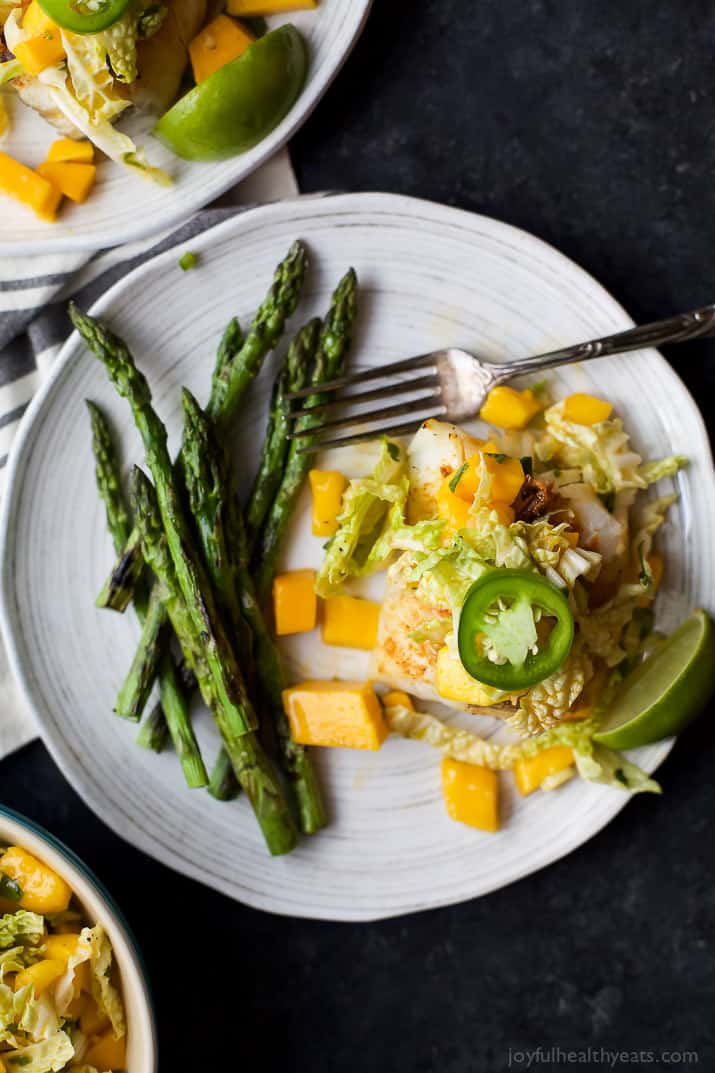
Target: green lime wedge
(666, 691)
(238, 105)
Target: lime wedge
(240, 103)
(666, 691)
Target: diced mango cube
(350, 622)
(397, 699)
(466, 486)
(506, 407)
(220, 42)
(530, 772)
(62, 947)
(327, 486)
(507, 477)
(43, 891)
(26, 185)
(452, 507)
(471, 794)
(503, 511)
(269, 7)
(41, 975)
(45, 50)
(75, 181)
(92, 1020)
(345, 715)
(454, 683)
(35, 22)
(66, 150)
(295, 605)
(106, 1052)
(586, 410)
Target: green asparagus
(234, 707)
(223, 784)
(154, 733)
(136, 687)
(293, 375)
(335, 339)
(118, 591)
(251, 765)
(173, 691)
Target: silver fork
(453, 384)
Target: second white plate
(430, 276)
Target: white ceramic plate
(431, 276)
(123, 206)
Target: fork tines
(421, 407)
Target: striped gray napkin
(33, 325)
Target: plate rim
(268, 147)
(368, 203)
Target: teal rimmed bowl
(100, 908)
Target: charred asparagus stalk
(174, 702)
(250, 763)
(292, 376)
(335, 339)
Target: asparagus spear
(250, 763)
(231, 382)
(211, 493)
(223, 784)
(174, 703)
(292, 376)
(154, 733)
(119, 588)
(238, 360)
(232, 705)
(335, 339)
(136, 687)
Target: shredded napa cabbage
(104, 992)
(140, 20)
(21, 928)
(663, 467)
(47, 1056)
(602, 451)
(548, 702)
(594, 762)
(373, 509)
(92, 80)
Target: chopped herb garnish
(498, 457)
(188, 260)
(10, 888)
(456, 478)
(621, 776)
(527, 464)
(609, 500)
(19, 1060)
(645, 577)
(393, 451)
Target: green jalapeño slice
(500, 608)
(84, 16)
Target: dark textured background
(590, 125)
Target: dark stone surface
(591, 126)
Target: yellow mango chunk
(3, 1067)
(344, 715)
(295, 605)
(350, 622)
(24, 184)
(471, 794)
(396, 698)
(506, 407)
(452, 507)
(221, 41)
(454, 683)
(43, 891)
(106, 1052)
(92, 1020)
(466, 486)
(62, 947)
(44, 50)
(66, 150)
(41, 975)
(503, 511)
(35, 22)
(586, 410)
(507, 477)
(530, 772)
(75, 181)
(327, 486)
(269, 7)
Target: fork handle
(698, 324)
